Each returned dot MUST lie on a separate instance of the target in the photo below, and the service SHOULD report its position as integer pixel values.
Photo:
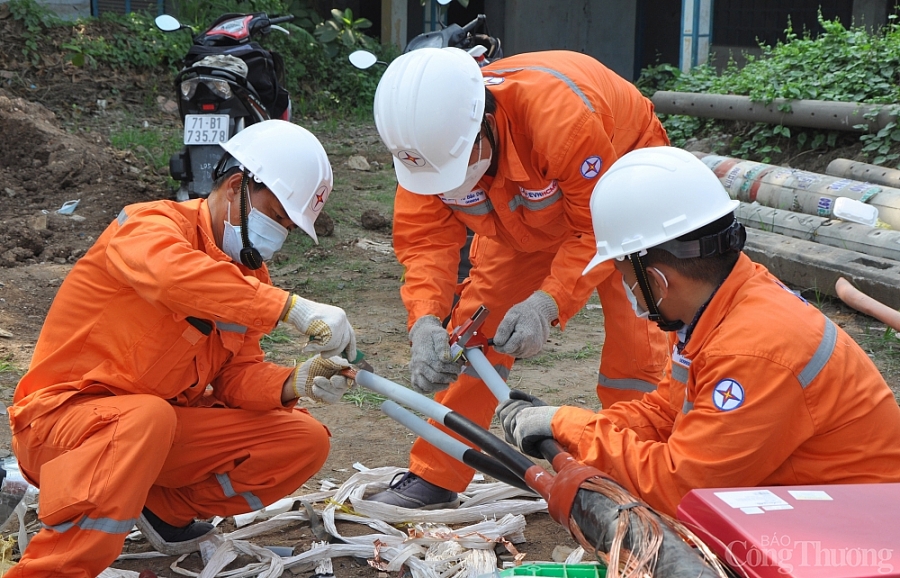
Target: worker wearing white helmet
(148, 400)
(511, 151)
(762, 389)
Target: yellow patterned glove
(329, 330)
(318, 378)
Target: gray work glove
(430, 366)
(526, 326)
(526, 421)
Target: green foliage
(317, 72)
(840, 64)
(322, 82)
(343, 30)
(36, 19)
(201, 13)
(125, 41)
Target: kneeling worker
(148, 399)
(762, 389)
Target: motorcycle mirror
(167, 23)
(443, 2)
(362, 59)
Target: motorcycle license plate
(204, 129)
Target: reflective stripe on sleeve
(821, 356)
(679, 373)
(232, 327)
(628, 383)
(555, 73)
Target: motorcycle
(227, 82)
(475, 39)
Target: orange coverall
(148, 387)
(766, 391)
(562, 120)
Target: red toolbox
(836, 531)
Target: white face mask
(266, 235)
(473, 174)
(635, 306)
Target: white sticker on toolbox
(753, 510)
(810, 495)
(751, 498)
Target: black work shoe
(411, 491)
(169, 539)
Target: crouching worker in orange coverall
(148, 400)
(513, 155)
(762, 389)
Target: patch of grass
(154, 145)
(363, 398)
(6, 366)
(277, 336)
(586, 352)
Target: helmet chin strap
(250, 257)
(640, 271)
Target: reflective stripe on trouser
(500, 278)
(96, 460)
(635, 351)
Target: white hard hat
(291, 162)
(428, 110)
(650, 196)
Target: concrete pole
(845, 168)
(800, 191)
(819, 114)
(832, 232)
(393, 23)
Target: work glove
(526, 421)
(430, 366)
(318, 378)
(329, 331)
(526, 326)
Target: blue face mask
(266, 235)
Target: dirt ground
(54, 150)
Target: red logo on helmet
(321, 197)
(411, 158)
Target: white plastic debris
(855, 211)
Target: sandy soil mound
(41, 167)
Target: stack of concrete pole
(793, 229)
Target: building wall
(604, 29)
